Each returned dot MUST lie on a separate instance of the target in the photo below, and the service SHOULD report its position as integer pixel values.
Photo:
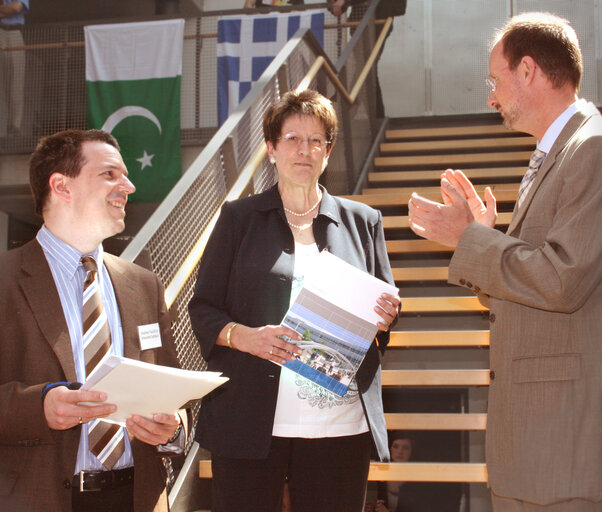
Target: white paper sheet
(346, 286)
(142, 388)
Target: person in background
(66, 306)
(541, 279)
(267, 424)
(399, 496)
(12, 65)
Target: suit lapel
(563, 139)
(548, 163)
(40, 291)
(127, 302)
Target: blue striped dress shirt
(69, 274)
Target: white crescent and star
(145, 160)
(128, 111)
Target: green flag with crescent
(133, 76)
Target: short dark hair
(308, 103)
(62, 153)
(394, 435)
(549, 40)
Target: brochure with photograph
(334, 314)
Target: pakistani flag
(133, 75)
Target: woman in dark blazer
(268, 424)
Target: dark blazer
(37, 463)
(544, 281)
(245, 276)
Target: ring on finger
(80, 420)
(271, 350)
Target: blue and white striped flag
(246, 46)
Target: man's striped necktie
(106, 440)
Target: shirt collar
(553, 131)
(65, 256)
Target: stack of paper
(145, 389)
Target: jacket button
(462, 282)
(469, 284)
(491, 375)
(492, 317)
(477, 289)
(67, 484)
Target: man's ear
(527, 67)
(59, 186)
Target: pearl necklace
(304, 213)
(301, 227)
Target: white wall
(438, 52)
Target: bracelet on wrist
(229, 335)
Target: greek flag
(246, 46)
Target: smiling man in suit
(50, 457)
(541, 278)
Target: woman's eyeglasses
(315, 142)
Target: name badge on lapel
(150, 336)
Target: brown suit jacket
(544, 440)
(37, 463)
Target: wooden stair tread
(452, 160)
(416, 246)
(403, 221)
(503, 192)
(428, 472)
(463, 144)
(516, 172)
(420, 273)
(450, 131)
(439, 339)
(395, 196)
(436, 421)
(435, 377)
(409, 471)
(441, 304)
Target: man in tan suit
(80, 187)
(542, 277)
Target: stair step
(420, 273)
(463, 144)
(503, 192)
(403, 221)
(428, 472)
(435, 377)
(441, 304)
(416, 246)
(453, 160)
(409, 471)
(450, 131)
(516, 172)
(436, 421)
(439, 338)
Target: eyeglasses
(491, 83)
(294, 141)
